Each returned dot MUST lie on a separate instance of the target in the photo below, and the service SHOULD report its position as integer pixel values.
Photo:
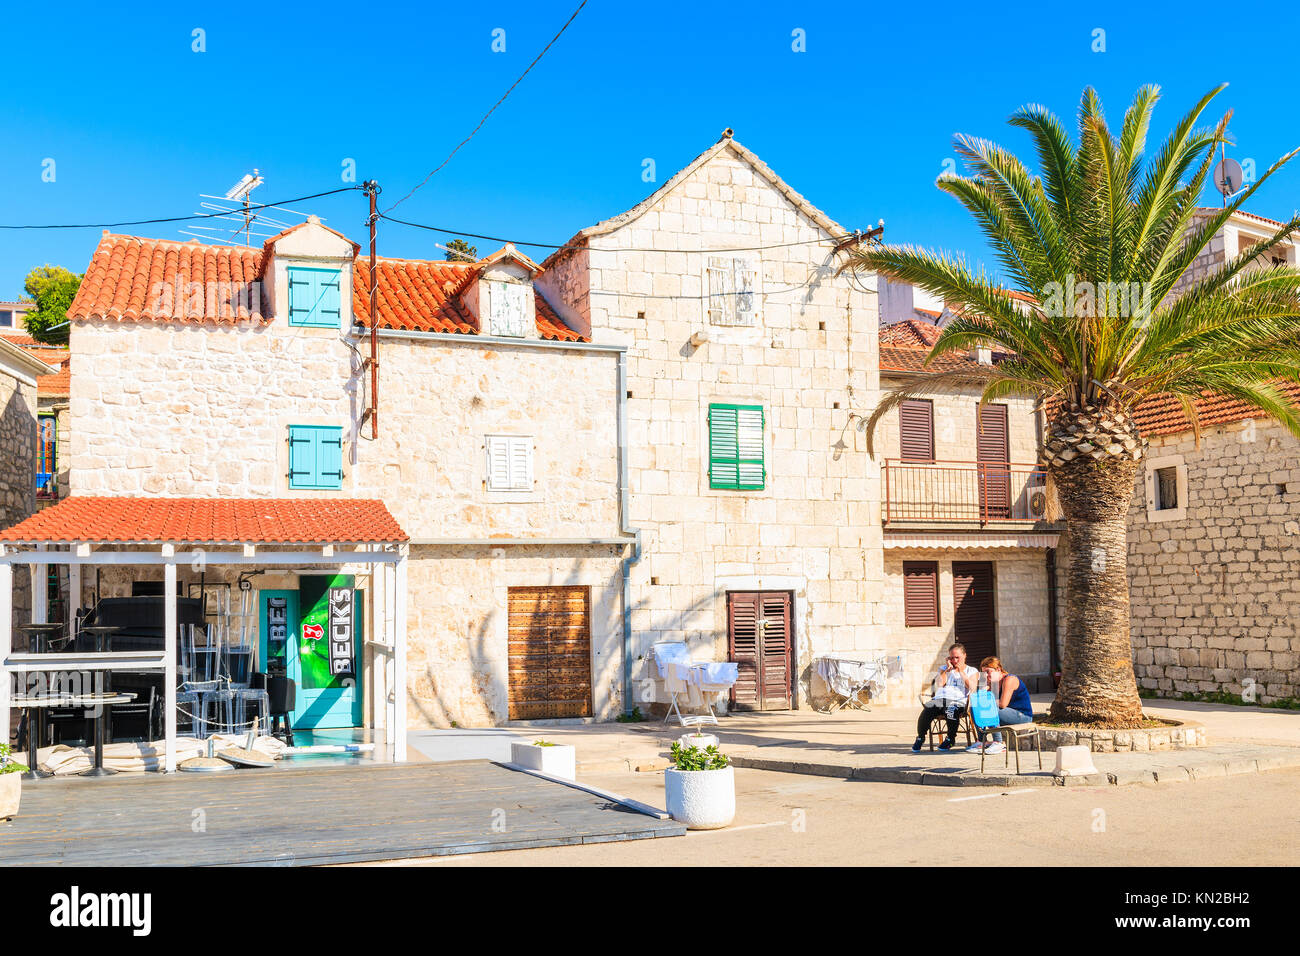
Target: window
(916, 430)
(315, 457)
(46, 456)
(920, 594)
(1166, 488)
(314, 299)
(6, 318)
(736, 447)
(731, 291)
(508, 309)
(509, 463)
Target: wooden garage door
(760, 641)
(973, 610)
(550, 652)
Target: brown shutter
(742, 629)
(975, 624)
(916, 430)
(920, 594)
(993, 452)
(776, 650)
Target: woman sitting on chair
(952, 693)
(1012, 697)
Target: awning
(209, 521)
(983, 540)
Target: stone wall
(18, 474)
(1215, 589)
(809, 359)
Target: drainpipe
(626, 528)
(1051, 612)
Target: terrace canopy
(286, 533)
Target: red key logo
(313, 632)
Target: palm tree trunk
(1097, 682)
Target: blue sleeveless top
(1020, 700)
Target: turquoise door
(319, 647)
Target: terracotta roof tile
(210, 521)
(130, 278)
(910, 333)
(55, 385)
(1163, 415)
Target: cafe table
(33, 703)
(101, 703)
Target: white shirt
(954, 687)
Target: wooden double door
(975, 622)
(549, 645)
(760, 640)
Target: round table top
(98, 628)
(67, 700)
(41, 627)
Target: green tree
(52, 288)
(458, 250)
(1103, 240)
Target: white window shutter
(498, 450)
(732, 290)
(509, 306)
(744, 292)
(720, 275)
(510, 463)
(521, 464)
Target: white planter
(11, 789)
(703, 741)
(559, 760)
(701, 799)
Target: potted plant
(700, 789)
(11, 783)
(697, 739)
(558, 760)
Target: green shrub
(7, 763)
(693, 758)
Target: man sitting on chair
(952, 693)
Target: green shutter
(736, 448)
(315, 457)
(314, 298)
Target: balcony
(951, 493)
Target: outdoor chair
(938, 728)
(1014, 734)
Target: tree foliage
(52, 288)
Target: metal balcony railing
(963, 491)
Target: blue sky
(138, 124)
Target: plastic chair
(216, 712)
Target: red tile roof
(210, 521)
(910, 333)
(902, 359)
(1164, 415)
(55, 385)
(130, 278)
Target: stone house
(1213, 531)
(51, 415)
(969, 551)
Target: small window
(920, 594)
(46, 453)
(508, 309)
(916, 430)
(1166, 489)
(732, 298)
(315, 457)
(736, 447)
(6, 318)
(509, 463)
(314, 298)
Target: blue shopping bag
(984, 708)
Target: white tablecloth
(847, 676)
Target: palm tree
(1101, 244)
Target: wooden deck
(305, 817)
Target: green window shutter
(315, 457)
(314, 298)
(736, 448)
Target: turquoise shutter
(300, 296)
(314, 298)
(315, 457)
(736, 457)
(328, 308)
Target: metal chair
(938, 729)
(1015, 733)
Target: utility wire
(539, 56)
(148, 222)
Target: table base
(97, 772)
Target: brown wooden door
(974, 613)
(549, 644)
(993, 452)
(760, 640)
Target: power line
(149, 222)
(564, 245)
(539, 56)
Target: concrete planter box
(1173, 737)
(11, 791)
(558, 760)
(703, 741)
(701, 799)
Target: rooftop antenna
(239, 193)
(236, 206)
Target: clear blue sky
(138, 124)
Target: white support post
(40, 592)
(74, 593)
(6, 642)
(169, 649)
(397, 726)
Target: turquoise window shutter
(736, 447)
(315, 457)
(314, 298)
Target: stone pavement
(875, 746)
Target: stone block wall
(1215, 592)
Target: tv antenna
(236, 207)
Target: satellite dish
(1227, 176)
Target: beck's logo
(313, 632)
